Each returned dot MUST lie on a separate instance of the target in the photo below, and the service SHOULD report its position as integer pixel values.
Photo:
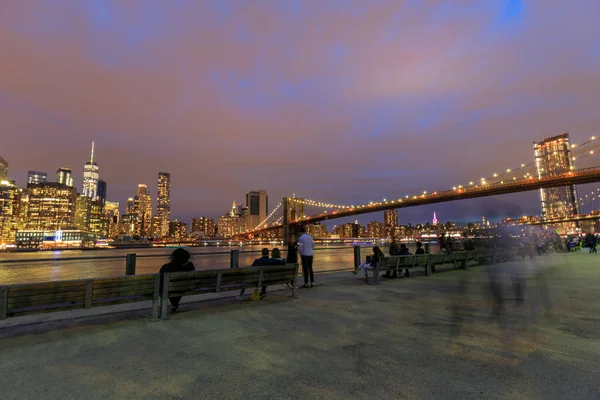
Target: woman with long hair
(370, 263)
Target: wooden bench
(34, 298)
(220, 280)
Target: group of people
(180, 262)
(378, 255)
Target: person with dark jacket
(261, 262)
(393, 250)
(371, 262)
(180, 262)
(292, 252)
(404, 252)
(420, 249)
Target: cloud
(343, 101)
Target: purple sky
(338, 100)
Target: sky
(344, 101)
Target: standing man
(306, 245)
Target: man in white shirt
(306, 246)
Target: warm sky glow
(339, 100)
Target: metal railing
(38, 269)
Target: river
(44, 266)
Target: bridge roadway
(576, 177)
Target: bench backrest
(35, 298)
(420, 260)
(460, 256)
(437, 258)
(124, 289)
(218, 280)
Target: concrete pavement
(414, 338)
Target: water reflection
(28, 267)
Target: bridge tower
(293, 209)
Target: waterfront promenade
(417, 338)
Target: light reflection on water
(55, 267)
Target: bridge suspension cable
(269, 216)
(523, 171)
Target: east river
(44, 266)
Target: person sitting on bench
(402, 252)
(370, 263)
(260, 262)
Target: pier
(421, 338)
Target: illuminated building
(258, 205)
(101, 192)
(83, 206)
(435, 220)
(90, 177)
(553, 157)
(3, 169)
(50, 239)
(51, 206)
(203, 227)
(178, 229)
(376, 229)
(316, 230)
(64, 175)
(390, 221)
(128, 224)
(111, 212)
(349, 230)
(143, 207)
(163, 204)
(11, 216)
(34, 177)
(129, 208)
(98, 221)
(231, 223)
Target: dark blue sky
(340, 100)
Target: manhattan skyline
(347, 102)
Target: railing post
(234, 261)
(130, 264)
(3, 302)
(426, 248)
(356, 257)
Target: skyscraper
(143, 207)
(553, 157)
(111, 211)
(34, 177)
(83, 206)
(90, 177)
(64, 175)
(390, 222)
(163, 204)
(10, 211)
(3, 169)
(101, 192)
(258, 205)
